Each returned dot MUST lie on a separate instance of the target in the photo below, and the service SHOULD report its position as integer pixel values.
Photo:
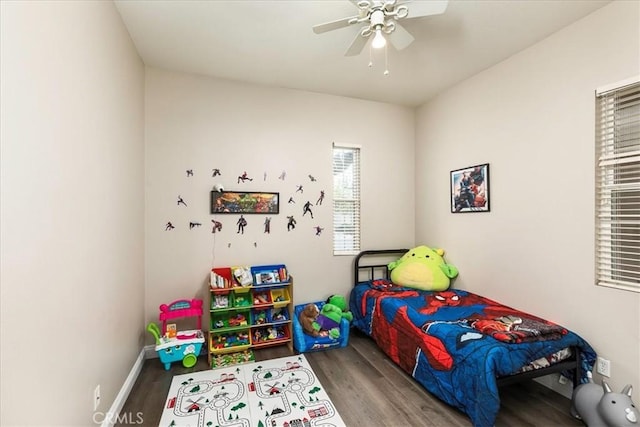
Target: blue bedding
(456, 343)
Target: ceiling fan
(379, 17)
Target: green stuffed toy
(329, 319)
(341, 302)
(423, 268)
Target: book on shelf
(218, 282)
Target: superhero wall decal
(242, 223)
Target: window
(618, 186)
(346, 200)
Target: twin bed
(458, 345)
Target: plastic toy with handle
(153, 329)
(186, 345)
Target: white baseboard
(114, 412)
(113, 416)
(150, 352)
(551, 381)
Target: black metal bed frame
(381, 271)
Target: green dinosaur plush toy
(423, 268)
(341, 302)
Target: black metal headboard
(371, 263)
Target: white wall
(72, 210)
(201, 123)
(73, 167)
(532, 119)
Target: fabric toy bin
(304, 343)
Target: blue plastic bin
(304, 343)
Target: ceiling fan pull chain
(370, 57)
(386, 61)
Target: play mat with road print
(280, 392)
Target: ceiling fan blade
(400, 38)
(424, 8)
(357, 45)
(333, 25)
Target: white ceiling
(272, 43)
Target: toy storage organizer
(172, 345)
(250, 308)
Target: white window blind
(618, 187)
(346, 200)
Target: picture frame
(470, 189)
(245, 202)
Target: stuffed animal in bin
(307, 319)
(341, 302)
(423, 268)
(600, 407)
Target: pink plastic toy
(186, 345)
(181, 308)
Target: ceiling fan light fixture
(378, 41)
(379, 16)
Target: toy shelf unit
(173, 345)
(249, 308)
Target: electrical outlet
(603, 367)
(96, 397)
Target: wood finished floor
(368, 390)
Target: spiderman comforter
(456, 343)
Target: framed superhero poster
(470, 189)
(243, 202)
